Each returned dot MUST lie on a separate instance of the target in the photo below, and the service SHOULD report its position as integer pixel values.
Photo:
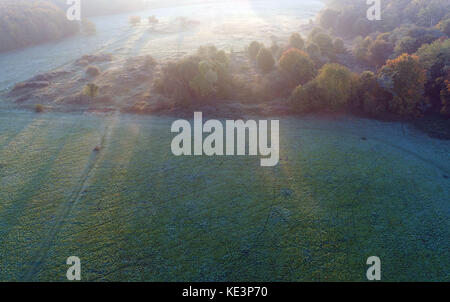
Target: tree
(361, 48)
(307, 98)
(203, 83)
(435, 58)
(336, 82)
(445, 97)
(265, 60)
(296, 41)
(379, 52)
(369, 97)
(404, 77)
(313, 33)
(339, 46)
(325, 43)
(91, 90)
(313, 50)
(297, 66)
(406, 45)
(253, 49)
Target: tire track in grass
(41, 254)
(13, 212)
(111, 197)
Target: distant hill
(25, 23)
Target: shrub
(325, 43)
(134, 20)
(404, 77)
(91, 90)
(297, 66)
(265, 60)
(39, 108)
(253, 49)
(296, 41)
(93, 71)
(336, 82)
(339, 46)
(379, 52)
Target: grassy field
(345, 189)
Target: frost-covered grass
(133, 211)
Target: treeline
(306, 72)
(25, 23)
(30, 22)
(412, 36)
(348, 17)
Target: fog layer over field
(181, 30)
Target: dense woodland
(408, 49)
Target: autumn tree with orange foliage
(404, 77)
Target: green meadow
(345, 189)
